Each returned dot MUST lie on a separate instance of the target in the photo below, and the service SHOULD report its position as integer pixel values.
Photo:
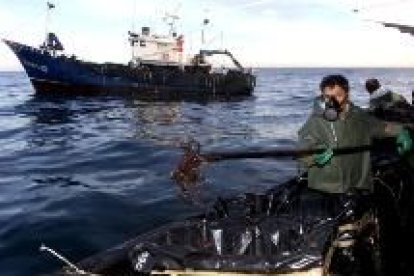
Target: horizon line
(282, 67)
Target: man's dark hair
(332, 80)
(371, 85)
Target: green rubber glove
(404, 142)
(323, 158)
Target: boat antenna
(170, 20)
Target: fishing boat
(158, 69)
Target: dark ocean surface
(83, 174)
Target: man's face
(338, 93)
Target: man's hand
(404, 142)
(323, 158)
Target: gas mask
(330, 107)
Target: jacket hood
(318, 106)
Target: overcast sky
(259, 32)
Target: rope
(63, 259)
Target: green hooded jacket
(346, 171)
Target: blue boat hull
(68, 75)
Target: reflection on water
(151, 120)
(84, 173)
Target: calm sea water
(83, 174)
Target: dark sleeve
(379, 128)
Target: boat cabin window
(142, 43)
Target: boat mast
(133, 30)
(49, 6)
(134, 15)
(204, 24)
(51, 44)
